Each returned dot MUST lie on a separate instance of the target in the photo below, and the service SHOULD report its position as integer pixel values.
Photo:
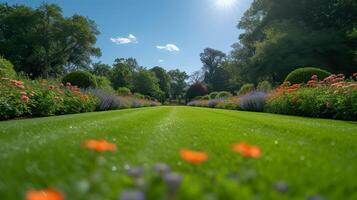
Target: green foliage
(280, 35)
(41, 41)
(264, 86)
(6, 69)
(213, 95)
(39, 98)
(303, 75)
(121, 75)
(178, 84)
(104, 83)
(123, 91)
(81, 79)
(196, 89)
(164, 79)
(139, 96)
(323, 102)
(145, 82)
(100, 69)
(223, 94)
(246, 88)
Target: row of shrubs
(332, 96)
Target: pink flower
(23, 93)
(25, 98)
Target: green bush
(213, 95)
(223, 94)
(104, 83)
(303, 75)
(246, 88)
(6, 68)
(264, 86)
(139, 96)
(206, 97)
(123, 91)
(81, 79)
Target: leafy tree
(281, 36)
(42, 42)
(214, 74)
(101, 69)
(145, 82)
(178, 83)
(121, 75)
(196, 89)
(164, 79)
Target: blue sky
(167, 33)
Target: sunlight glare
(225, 3)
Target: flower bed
(39, 98)
(36, 98)
(333, 97)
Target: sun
(225, 3)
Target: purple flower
(173, 180)
(136, 172)
(162, 168)
(132, 195)
(253, 101)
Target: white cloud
(125, 40)
(161, 61)
(169, 47)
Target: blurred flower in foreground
(100, 145)
(173, 180)
(49, 194)
(247, 150)
(132, 195)
(193, 157)
(136, 172)
(162, 168)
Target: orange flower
(247, 150)
(100, 145)
(193, 157)
(49, 194)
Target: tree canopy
(42, 42)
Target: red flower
(100, 145)
(25, 98)
(49, 194)
(247, 150)
(194, 157)
(354, 74)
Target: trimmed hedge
(303, 75)
(81, 79)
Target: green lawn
(308, 156)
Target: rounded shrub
(196, 89)
(123, 91)
(223, 94)
(6, 68)
(264, 86)
(81, 79)
(246, 88)
(213, 95)
(303, 75)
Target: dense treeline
(282, 35)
